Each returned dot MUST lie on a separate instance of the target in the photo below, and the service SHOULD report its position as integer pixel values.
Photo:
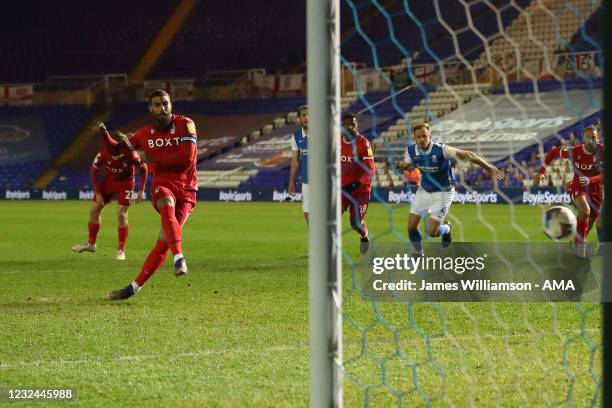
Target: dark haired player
(357, 167)
(170, 145)
(586, 188)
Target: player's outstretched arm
(467, 155)
(120, 146)
(553, 154)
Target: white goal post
(324, 233)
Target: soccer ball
(559, 222)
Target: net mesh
(507, 79)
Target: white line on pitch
(273, 349)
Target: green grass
(234, 331)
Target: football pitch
(234, 332)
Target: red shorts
(123, 190)
(593, 193)
(184, 200)
(357, 204)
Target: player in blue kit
(299, 158)
(435, 194)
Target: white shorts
(436, 204)
(305, 198)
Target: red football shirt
(584, 164)
(119, 168)
(172, 150)
(357, 162)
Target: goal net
(507, 80)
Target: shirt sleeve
(407, 158)
(367, 157)
(367, 153)
(191, 136)
(552, 155)
(294, 146)
(449, 152)
(134, 140)
(596, 179)
(114, 147)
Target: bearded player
(436, 191)
(119, 172)
(586, 188)
(170, 145)
(357, 167)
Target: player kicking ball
(169, 144)
(435, 193)
(118, 181)
(586, 188)
(357, 167)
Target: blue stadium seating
(236, 34)
(61, 125)
(592, 30)
(546, 85)
(268, 178)
(419, 21)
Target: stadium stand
(419, 20)
(588, 39)
(217, 37)
(223, 125)
(227, 40)
(41, 39)
(556, 25)
(47, 130)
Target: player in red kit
(170, 145)
(586, 188)
(119, 172)
(357, 167)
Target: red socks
(591, 218)
(122, 234)
(172, 229)
(93, 233)
(581, 229)
(156, 258)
